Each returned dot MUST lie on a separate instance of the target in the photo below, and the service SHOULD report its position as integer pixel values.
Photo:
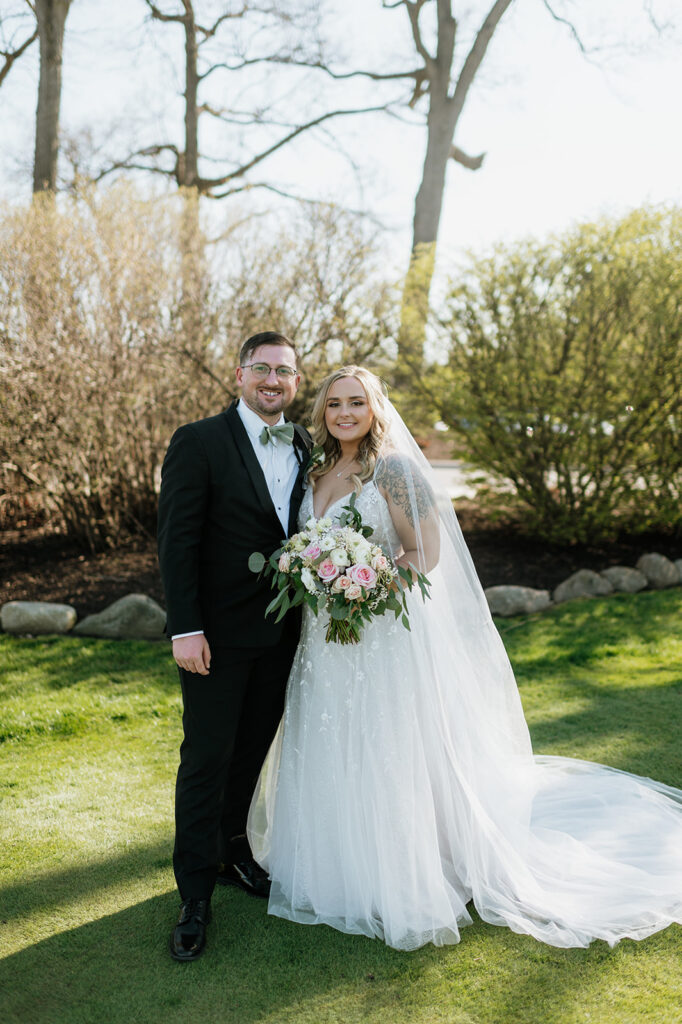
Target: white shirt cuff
(179, 636)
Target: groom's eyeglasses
(262, 370)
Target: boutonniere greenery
(317, 458)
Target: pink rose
(312, 552)
(363, 575)
(340, 584)
(284, 563)
(354, 592)
(380, 562)
(327, 571)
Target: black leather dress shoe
(246, 875)
(188, 938)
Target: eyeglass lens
(262, 370)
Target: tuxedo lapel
(302, 449)
(248, 457)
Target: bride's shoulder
(403, 484)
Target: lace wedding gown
(401, 785)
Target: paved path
(454, 477)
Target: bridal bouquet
(335, 568)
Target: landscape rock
(659, 571)
(583, 583)
(625, 579)
(133, 617)
(37, 617)
(509, 600)
(678, 565)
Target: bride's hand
(193, 654)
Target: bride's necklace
(346, 466)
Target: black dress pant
(230, 718)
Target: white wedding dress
(401, 785)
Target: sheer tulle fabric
(402, 784)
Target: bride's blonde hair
(370, 444)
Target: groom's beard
(266, 406)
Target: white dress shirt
(280, 468)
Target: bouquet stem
(341, 631)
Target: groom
(231, 484)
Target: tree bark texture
(447, 93)
(191, 168)
(51, 16)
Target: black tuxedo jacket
(214, 511)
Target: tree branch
(374, 75)
(127, 163)
(472, 163)
(413, 11)
(209, 183)
(570, 26)
(12, 55)
(477, 52)
(160, 16)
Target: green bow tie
(284, 432)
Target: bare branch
(569, 25)
(160, 16)
(208, 33)
(376, 76)
(472, 163)
(205, 183)
(261, 185)
(413, 11)
(12, 55)
(128, 163)
(478, 51)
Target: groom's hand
(193, 654)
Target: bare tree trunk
(51, 17)
(191, 172)
(447, 95)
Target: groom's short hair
(264, 338)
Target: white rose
(361, 551)
(339, 557)
(327, 541)
(308, 580)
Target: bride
(401, 784)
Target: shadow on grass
(582, 632)
(569, 651)
(644, 724)
(256, 967)
(67, 661)
(50, 890)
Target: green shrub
(565, 375)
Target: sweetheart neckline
(331, 506)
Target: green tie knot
(284, 432)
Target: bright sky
(566, 139)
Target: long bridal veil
(565, 850)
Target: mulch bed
(36, 565)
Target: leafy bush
(565, 375)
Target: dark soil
(36, 565)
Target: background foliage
(119, 320)
(121, 316)
(565, 374)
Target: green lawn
(91, 730)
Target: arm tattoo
(406, 491)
